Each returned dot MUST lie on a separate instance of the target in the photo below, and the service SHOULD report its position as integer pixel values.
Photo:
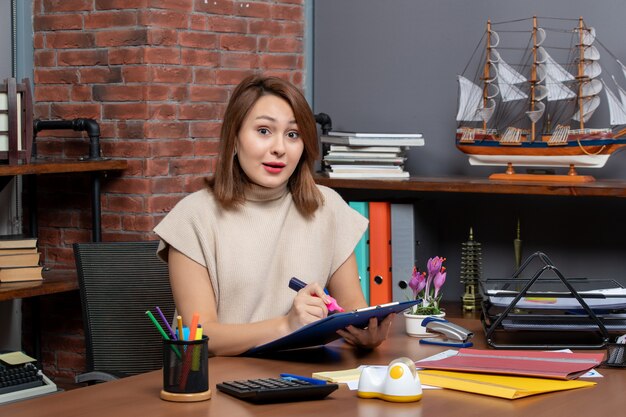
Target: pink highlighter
(296, 285)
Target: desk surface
(53, 282)
(139, 395)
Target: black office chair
(119, 281)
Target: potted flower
(425, 287)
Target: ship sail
(553, 75)
(507, 78)
(590, 88)
(616, 108)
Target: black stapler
(454, 335)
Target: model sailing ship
(536, 113)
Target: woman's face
(268, 144)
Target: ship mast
(486, 70)
(581, 70)
(533, 79)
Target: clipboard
(325, 330)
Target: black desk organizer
(576, 326)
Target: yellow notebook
(511, 387)
(343, 376)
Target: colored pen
(313, 381)
(160, 329)
(169, 328)
(179, 321)
(194, 326)
(296, 285)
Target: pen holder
(616, 355)
(186, 370)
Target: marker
(160, 329)
(296, 285)
(169, 328)
(313, 381)
(194, 326)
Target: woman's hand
(370, 337)
(308, 306)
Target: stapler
(454, 334)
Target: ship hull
(586, 153)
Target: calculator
(273, 390)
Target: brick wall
(156, 75)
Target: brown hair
(229, 182)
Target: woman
(233, 247)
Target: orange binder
(380, 252)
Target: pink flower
(439, 280)
(418, 281)
(434, 265)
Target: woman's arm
(193, 293)
(345, 287)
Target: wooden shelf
(53, 282)
(50, 166)
(602, 188)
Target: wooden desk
(139, 395)
(54, 282)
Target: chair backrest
(119, 282)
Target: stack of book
(367, 155)
(19, 259)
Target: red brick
(162, 111)
(199, 112)
(120, 4)
(231, 77)
(130, 130)
(127, 236)
(123, 204)
(198, 40)
(162, 37)
(226, 24)
(204, 130)
(157, 167)
(136, 74)
(171, 148)
(152, 55)
(157, 92)
(122, 37)
(292, 28)
(181, 166)
(72, 111)
(129, 186)
(253, 10)
(161, 74)
(216, 6)
(69, 360)
(197, 22)
(105, 20)
(235, 60)
(195, 183)
(67, 40)
(44, 58)
(56, 76)
(162, 203)
(198, 57)
(138, 223)
(183, 5)
(76, 235)
(100, 75)
(125, 111)
(208, 93)
(134, 167)
(52, 93)
(166, 130)
(67, 5)
(118, 92)
(238, 43)
(279, 61)
(48, 236)
(57, 22)
(83, 57)
(167, 185)
(129, 149)
(38, 41)
(163, 18)
(120, 56)
(107, 129)
(285, 45)
(111, 222)
(204, 75)
(285, 12)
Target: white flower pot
(413, 323)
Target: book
(26, 273)
(364, 160)
(375, 135)
(372, 169)
(373, 140)
(401, 174)
(362, 251)
(17, 241)
(380, 252)
(19, 259)
(17, 251)
(365, 149)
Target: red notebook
(557, 365)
